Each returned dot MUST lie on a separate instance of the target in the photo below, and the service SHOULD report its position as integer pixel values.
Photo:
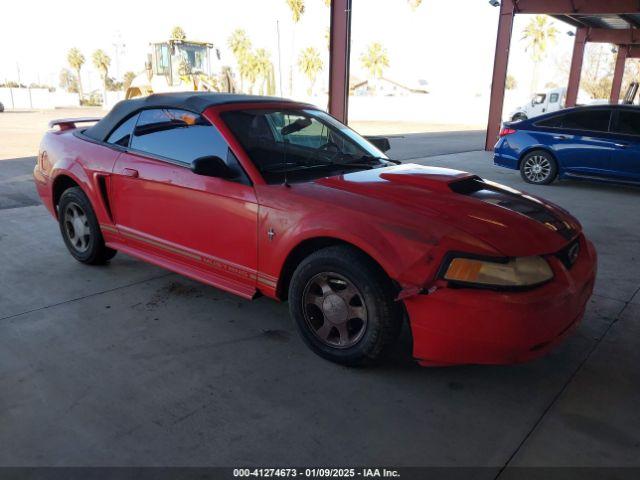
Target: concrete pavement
(419, 145)
(131, 365)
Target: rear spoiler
(70, 123)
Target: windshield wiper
(294, 166)
(380, 159)
(363, 161)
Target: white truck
(555, 98)
(544, 102)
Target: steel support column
(576, 67)
(339, 49)
(618, 73)
(500, 63)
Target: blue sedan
(596, 143)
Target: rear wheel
(538, 167)
(518, 117)
(80, 229)
(343, 306)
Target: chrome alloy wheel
(334, 310)
(537, 168)
(76, 227)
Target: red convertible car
(264, 196)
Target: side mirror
(381, 143)
(212, 166)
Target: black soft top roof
(196, 102)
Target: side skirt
(595, 178)
(199, 275)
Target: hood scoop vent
(513, 200)
(435, 180)
(467, 186)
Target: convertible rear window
(122, 134)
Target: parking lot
(129, 364)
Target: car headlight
(510, 273)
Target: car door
(625, 159)
(538, 105)
(554, 102)
(203, 226)
(580, 140)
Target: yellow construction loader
(179, 65)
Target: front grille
(569, 254)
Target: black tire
(518, 117)
(538, 167)
(87, 248)
(367, 338)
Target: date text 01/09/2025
(315, 473)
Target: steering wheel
(331, 150)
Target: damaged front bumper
(471, 326)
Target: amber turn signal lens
(517, 272)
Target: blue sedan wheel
(538, 167)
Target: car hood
(513, 223)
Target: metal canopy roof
(622, 21)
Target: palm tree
(178, 34)
(240, 46)
(76, 60)
(297, 9)
(68, 80)
(375, 59)
(310, 63)
(271, 81)
(102, 62)
(539, 34)
(263, 67)
(249, 70)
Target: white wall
(419, 108)
(41, 98)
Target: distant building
(386, 87)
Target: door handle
(130, 172)
(621, 145)
(560, 137)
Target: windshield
(538, 98)
(193, 57)
(301, 144)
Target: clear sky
(450, 44)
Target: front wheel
(80, 229)
(343, 306)
(538, 167)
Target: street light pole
(118, 46)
